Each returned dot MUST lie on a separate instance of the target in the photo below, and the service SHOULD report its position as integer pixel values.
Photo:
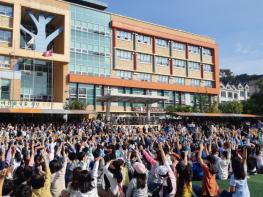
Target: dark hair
(18, 156)
(141, 180)
(117, 171)
(37, 181)
(55, 166)
(72, 156)
(85, 181)
(81, 155)
(225, 154)
(211, 164)
(75, 178)
(28, 172)
(23, 191)
(8, 187)
(185, 177)
(238, 168)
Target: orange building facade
(87, 53)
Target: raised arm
(200, 160)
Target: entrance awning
(131, 98)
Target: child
(209, 185)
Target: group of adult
(93, 158)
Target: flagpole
(52, 89)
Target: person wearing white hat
(138, 184)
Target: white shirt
(259, 159)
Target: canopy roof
(184, 114)
(131, 98)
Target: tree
(234, 107)
(40, 39)
(76, 105)
(255, 104)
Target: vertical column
(153, 45)
(186, 51)
(202, 70)
(171, 66)
(186, 57)
(134, 41)
(114, 37)
(148, 113)
(113, 47)
(77, 91)
(180, 98)
(108, 103)
(134, 61)
(103, 93)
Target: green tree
(234, 107)
(76, 105)
(254, 105)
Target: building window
(179, 81)
(145, 77)
(162, 43)
(207, 52)
(208, 68)
(5, 89)
(223, 94)
(162, 79)
(242, 94)
(124, 35)
(73, 91)
(178, 46)
(144, 58)
(144, 39)
(194, 65)
(5, 36)
(209, 84)
(126, 55)
(194, 49)
(229, 95)
(6, 10)
(236, 96)
(162, 60)
(195, 82)
(124, 74)
(179, 63)
(4, 61)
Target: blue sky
(237, 25)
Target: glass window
(144, 58)
(162, 79)
(208, 68)
(162, 43)
(179, 63)
(230, 95)
(194, 49)
(194, 65)
(195, 82)
(127, 55)
(6, 10)
(242, 94)
(223, 94)
(5, 36)
(4, 61)
(145, 77)
(207, 51)
(178, 46)
(5, 89)
(124, 74)
(143, 39)
(179, 80)
(124, 35)
(209, 84)
(162, 60)
(236, 96)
